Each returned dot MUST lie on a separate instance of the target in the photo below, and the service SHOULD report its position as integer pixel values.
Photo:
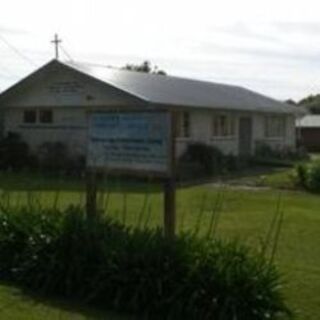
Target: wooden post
(91, 193)
(169, 208)
(170, 187)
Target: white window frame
(184, 125)
(223, 126)
(275, 127)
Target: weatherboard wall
(72, 95)
(58, 87)
(70, 127)
(201, 131)
(287, 141)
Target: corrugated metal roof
(176, 91)
(309, 121)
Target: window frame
(43, 119)
(223, 126)
(275, 127)
(184, 125)
(25, 116)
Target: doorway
(245, 136)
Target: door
(245, 136)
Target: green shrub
(138, 271)
(300, 175)
(22, 233)
(14, 153)
(313, 176)
(50, 157)
(55, 157)
(307, 175)
(265, 152)
(200, 160)
(209, 158)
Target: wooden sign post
(91, 193)
(169, 208)
(138, 143)
(169, 213)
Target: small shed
(308, 132)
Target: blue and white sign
(135, 141)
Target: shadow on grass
(34, 181)
(248, 174)
(22, 304)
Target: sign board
(130, 141)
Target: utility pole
(56, 42)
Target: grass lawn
(278, 179)
(245, 214)
(272, 177)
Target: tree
(312, 103)
(145, 67)
(291, 102)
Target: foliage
(265, 152)
(145, 67)
(313, 176)
(139, 271)
(300, 175)
(50, 157)
(56, 157)
(312, 103)
(307, 175)
(14, 153)
(200, 160)
(291, 102)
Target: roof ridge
(153, 75)
(176, 91)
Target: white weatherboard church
(53, 103)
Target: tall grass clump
(137, 271)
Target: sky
(269, 46)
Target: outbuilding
(52, 104)
(308, 132)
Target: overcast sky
(270, 46)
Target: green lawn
(273, 177)
(279, 179)
(245, 214)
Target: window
(223, 126)
(275, 127)
(37, 116)
(45, 116)
(184, 125)
(29, 116)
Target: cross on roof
(56, 42)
